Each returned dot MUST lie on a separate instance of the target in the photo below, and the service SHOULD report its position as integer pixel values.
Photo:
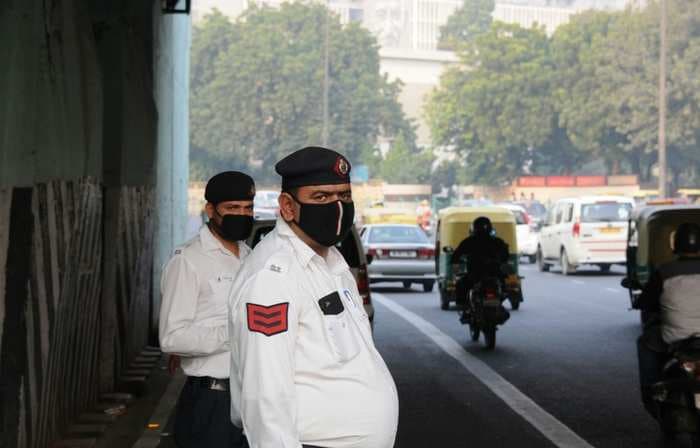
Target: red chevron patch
(268, 320)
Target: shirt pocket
(220, 288)
(342, 335)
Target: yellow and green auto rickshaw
(454, 225)
(651, 230)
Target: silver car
(399, 253)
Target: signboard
(359, 174)
(532, 181)
(623, 180)
(590, 181)
(561, 181)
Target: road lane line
(613, 289)
(554, 430)
(579, 282)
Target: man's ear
(287, 207)
(210, 209)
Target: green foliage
(520, 102)
(257, 88)
(404, 165)
(467, 23)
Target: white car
(525, 235)
(587, 230)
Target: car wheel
(514, 304)
(407, 285)
(532, 259)
(428, 286)
(541, 265)
(566, 267)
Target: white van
(586, 230)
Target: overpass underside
(93, 166)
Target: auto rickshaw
(675, 396)
(454, 224)
(383, 215)
(649, 242)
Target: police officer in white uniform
(195, 286)
(304, 368)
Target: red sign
(532, 181)
(590, 181)
(561, 181)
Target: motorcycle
(677, 395)
(484, 310)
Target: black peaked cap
(230, 186)
(313, 165)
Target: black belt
(208, 382)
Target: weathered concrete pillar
(172, 42)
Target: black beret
(230, 186)
(313, 165)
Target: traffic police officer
(195, 286)
(304, 368)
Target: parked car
(526, 236)
(399, 253)
(265, 204)
(351, 249)
(587, 230)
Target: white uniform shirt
(299, 374)
(195, 287)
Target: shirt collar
(210, 243)
(335, 261)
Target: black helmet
(687, 239)
(482, 226)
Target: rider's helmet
(482, 227)
(686, 240)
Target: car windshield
(536, 209)
(605, 212)
(397, 234)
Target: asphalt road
(570, 349)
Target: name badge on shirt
(331, 304)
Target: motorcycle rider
(485, 253)
(670, 297)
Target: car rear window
(398, 234)
(605, 212)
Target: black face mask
(327, 224)
(234, 227)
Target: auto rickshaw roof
(648, 212)
(469, 214)
(661, 220)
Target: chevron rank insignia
(268, 320)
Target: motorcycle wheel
(444, 300)
(490, 337)
(474, 331)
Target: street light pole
(324, 136)
(663, 180)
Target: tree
(264, 94)
(403, 165)
(467, 23)
(496, 110)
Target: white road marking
(554, 430)
(579, 282)
(613, 289)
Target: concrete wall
(93, 148)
